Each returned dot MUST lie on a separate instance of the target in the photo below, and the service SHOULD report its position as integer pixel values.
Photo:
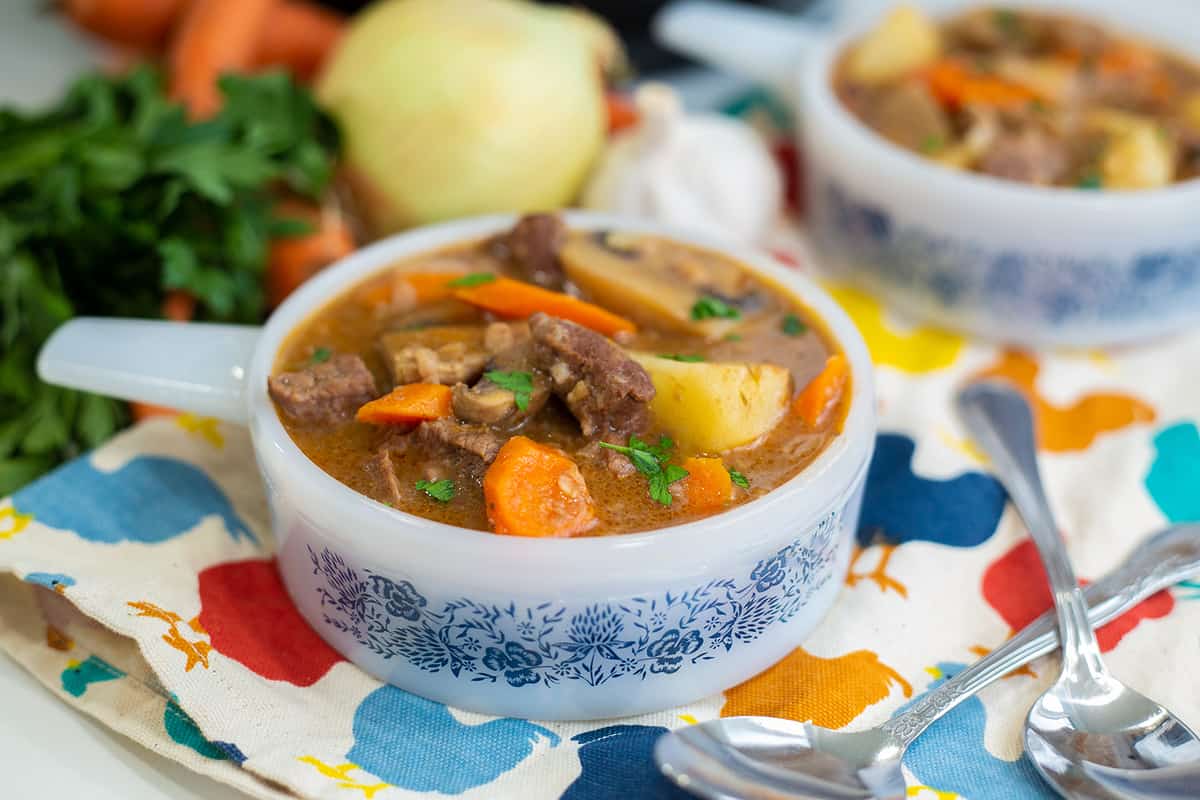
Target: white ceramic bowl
(1020, 263)
(539, 628)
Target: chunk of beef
(327, 392)
(532, 247)
(607, 391)
(1030, 155)
(446, 354)
(385, 473)
(616, 463)
(456, 437)
(500, 337)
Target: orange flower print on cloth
(830, 692)
(1015, 586)
(196, 650)
(1063, 429)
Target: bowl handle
(760, 44)
(194, 367)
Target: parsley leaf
(660, 482)
(739, 479)
(519, 383)
(793, 325)
(650, 460)
(442, 491)
(685, 358)
(1091, 180)
(473, 279)
(932, 144)
(733, 337)
(320, 355)
(709, 307)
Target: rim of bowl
(814, 81)
(807, 496)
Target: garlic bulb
(707, 172)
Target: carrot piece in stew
(512, 298)
(956, 85)
(822, 392)
(708, 486)
(412, 402)
(425, 287)
(533, 489)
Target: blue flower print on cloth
(1174, 477)
(548, 643)
(618, 762)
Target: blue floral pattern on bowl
(550, 642)
(971, 285)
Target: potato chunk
(905, 41)
(713, 407)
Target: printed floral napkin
(137, 583)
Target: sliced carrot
(707, 487)
(511, 298)
(414, 287)
(299, 36)
(822, 392)
(214, 37)
(294, 259)
(622, 113)
(145, 411)
(955, 85)
(141, 24)
(179, 306)
(533, 489)
(412, 402)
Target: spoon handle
(1160, 562)
(1001, 422)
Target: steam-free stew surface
(723, 315)
(1041, 98)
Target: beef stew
(1027, 96)
(550, 382)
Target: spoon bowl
(1087, 717)
(763, 758)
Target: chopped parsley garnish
(733, 337)
(519, 383)
(473, 279)
(684, 357)
(320, 355)
(709, 307)
(1091, 180)
(1008, 22)
(793, 326)
(442, 491)
(739, 479)
(651, 461)
(932, 143)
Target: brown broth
(347, 450)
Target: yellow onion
(456, 107)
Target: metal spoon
(1088, 716)
(762, 758)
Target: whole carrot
(213, 37)
(141, 24)
(298, 36)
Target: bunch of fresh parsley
(113, 198)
